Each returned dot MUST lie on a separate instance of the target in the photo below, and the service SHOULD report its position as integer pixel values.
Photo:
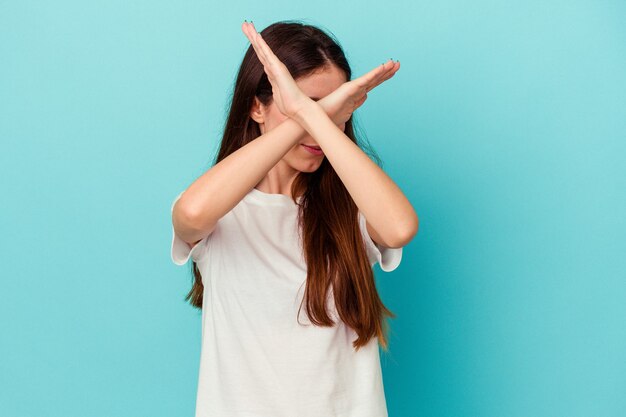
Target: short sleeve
(181, 252)
(387, 258)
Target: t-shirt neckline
(278, 199)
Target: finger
(250, 33)
(268, 54)
(271, 63)
(370, 77)
(376, 76)
(387, 72)
(269, 69)
(256, 36)
(273, 66)
(386, 75)
(246, 31)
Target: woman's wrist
(307, 113)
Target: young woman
(283, 231)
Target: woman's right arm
(224, 185)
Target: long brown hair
(328, 217)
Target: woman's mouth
(315, 150)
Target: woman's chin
(309, 166)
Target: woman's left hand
(286, 94)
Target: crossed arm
(381, 201)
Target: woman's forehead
(320, 84)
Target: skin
(391, 219)
(270, 160)
(278, 180)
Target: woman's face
(316, 86)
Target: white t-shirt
(256, 359)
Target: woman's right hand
(341, 103)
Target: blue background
(505, 126)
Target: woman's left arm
(391, 219)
